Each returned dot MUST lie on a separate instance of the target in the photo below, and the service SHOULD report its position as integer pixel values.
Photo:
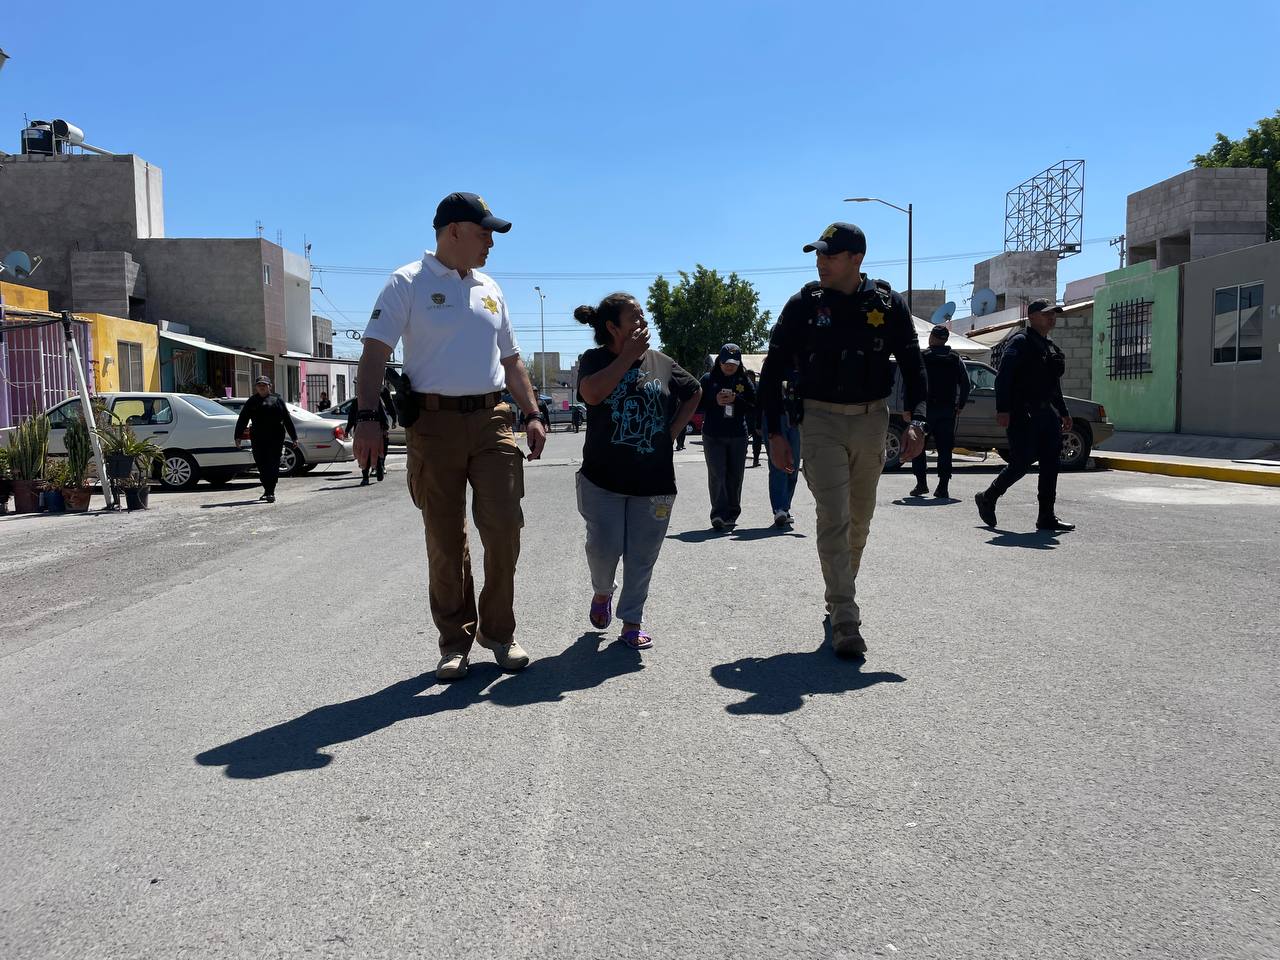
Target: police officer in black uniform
(948, 393)
(1030, 407)
(269, 419)
(838, 333)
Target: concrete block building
(1199, 213)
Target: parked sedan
(396, 437)
(977, 429)
(320, 440)
(196, 434)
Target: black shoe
(717, 523)
(364, 481)
(942, 493)
(919, 490)
(270, 498)
(986, 508)
(1053, 523)
(263, 498)
(381, 470)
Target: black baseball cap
(730, 352)
(468, 208)
(940, 331)
(839, 238)
(1042, 306)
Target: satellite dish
(20, 265)
(983, 302)
(942, 316)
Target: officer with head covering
(838, 334)
(1029, 405)
(728, 399)
(268, 420)
(948, 393)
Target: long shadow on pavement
(779, 684)
(232, 503)
(751, 533)
(582, 666)
(299, 743)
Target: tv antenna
(942, 316)
(983, 302)
(20, 264)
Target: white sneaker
(452, 667)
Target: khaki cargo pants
(842, 448)
(447, 451)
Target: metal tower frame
(1046, 212)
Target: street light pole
(909, 211)
(542, 328)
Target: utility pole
(1120, 242)
(910, 227)
(542, 327)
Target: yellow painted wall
(28, 298)
(106, 332)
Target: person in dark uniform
(266, 414)
(386, 417)
(753, 424)
(575, 417)
(544, 414)
(948, 393)
(1030, 407)
(727, 400)
(838, 334)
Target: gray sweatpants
(630, 529)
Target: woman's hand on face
(635, 346)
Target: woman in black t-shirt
(638, 401)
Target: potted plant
(28, 448)
(53, 480)
(6, 481)
(119, 441)
(75, 492)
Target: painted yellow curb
(1198, 471)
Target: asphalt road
(220, 735)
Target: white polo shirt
(456, 330)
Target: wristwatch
(918, 424)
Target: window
(143, 411)
(266, 274)
(129, 356)
(1130, 339)
(340, 381)
(60, 417)
(317, 386)
(981, 378)
(210, 408)
(243, 385)
(1237, 324)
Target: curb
(1258, 476)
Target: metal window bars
(1130, 355)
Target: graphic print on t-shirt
(636, 409)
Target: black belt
(477, 401)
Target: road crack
(828, 781)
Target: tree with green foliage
(1260, 147)
(703, 312)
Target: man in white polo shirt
(459, 354)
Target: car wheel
(1077, 443)
(291, 460)
(893, 448)
(178, 471)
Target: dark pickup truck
(977, 430)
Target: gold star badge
(875, 318)
(490, 304)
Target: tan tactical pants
(842, 448)
(447, 451)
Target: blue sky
(627, 139)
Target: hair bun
(585, 314)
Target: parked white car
(196, 434)
(319, 440)
(395, 436)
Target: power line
(650, 274)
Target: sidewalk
(1261, 472)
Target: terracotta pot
(26, 496)
(77, 498)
